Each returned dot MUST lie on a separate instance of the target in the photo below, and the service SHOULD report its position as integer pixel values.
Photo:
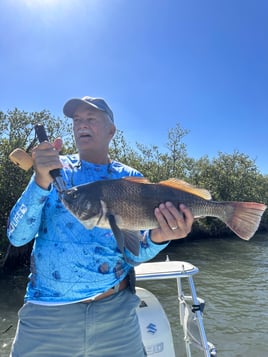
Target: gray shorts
(103, 328)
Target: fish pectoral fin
(132, 240)
(186, 187)
(125, 238)
(137, 179)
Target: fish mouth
(83, 212)
(78, 212)
(69, 199)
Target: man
(79, 301)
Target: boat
(155, 326)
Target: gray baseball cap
(97, 103)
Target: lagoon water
(232, 279)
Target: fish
(126, 206)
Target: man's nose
(83, 123)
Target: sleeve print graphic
(17, 218)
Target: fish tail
(243, 218)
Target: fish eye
(72, 194)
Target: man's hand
(173, 223)
(46, 158)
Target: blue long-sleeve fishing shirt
(70, 263)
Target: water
(232, 280)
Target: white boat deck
(165, 270)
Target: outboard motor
(154, 324)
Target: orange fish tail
(244, 218)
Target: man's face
(92, 128)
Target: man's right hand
(46, 158)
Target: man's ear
(112, 131)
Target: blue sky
(200, 63)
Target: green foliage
(149, 160)
(17, 131)
(227, 176)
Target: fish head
(83, 205)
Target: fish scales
(137, 201)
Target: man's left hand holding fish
(173, 223)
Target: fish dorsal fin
(186, 187)
(137, 179)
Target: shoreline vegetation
(228, 177)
